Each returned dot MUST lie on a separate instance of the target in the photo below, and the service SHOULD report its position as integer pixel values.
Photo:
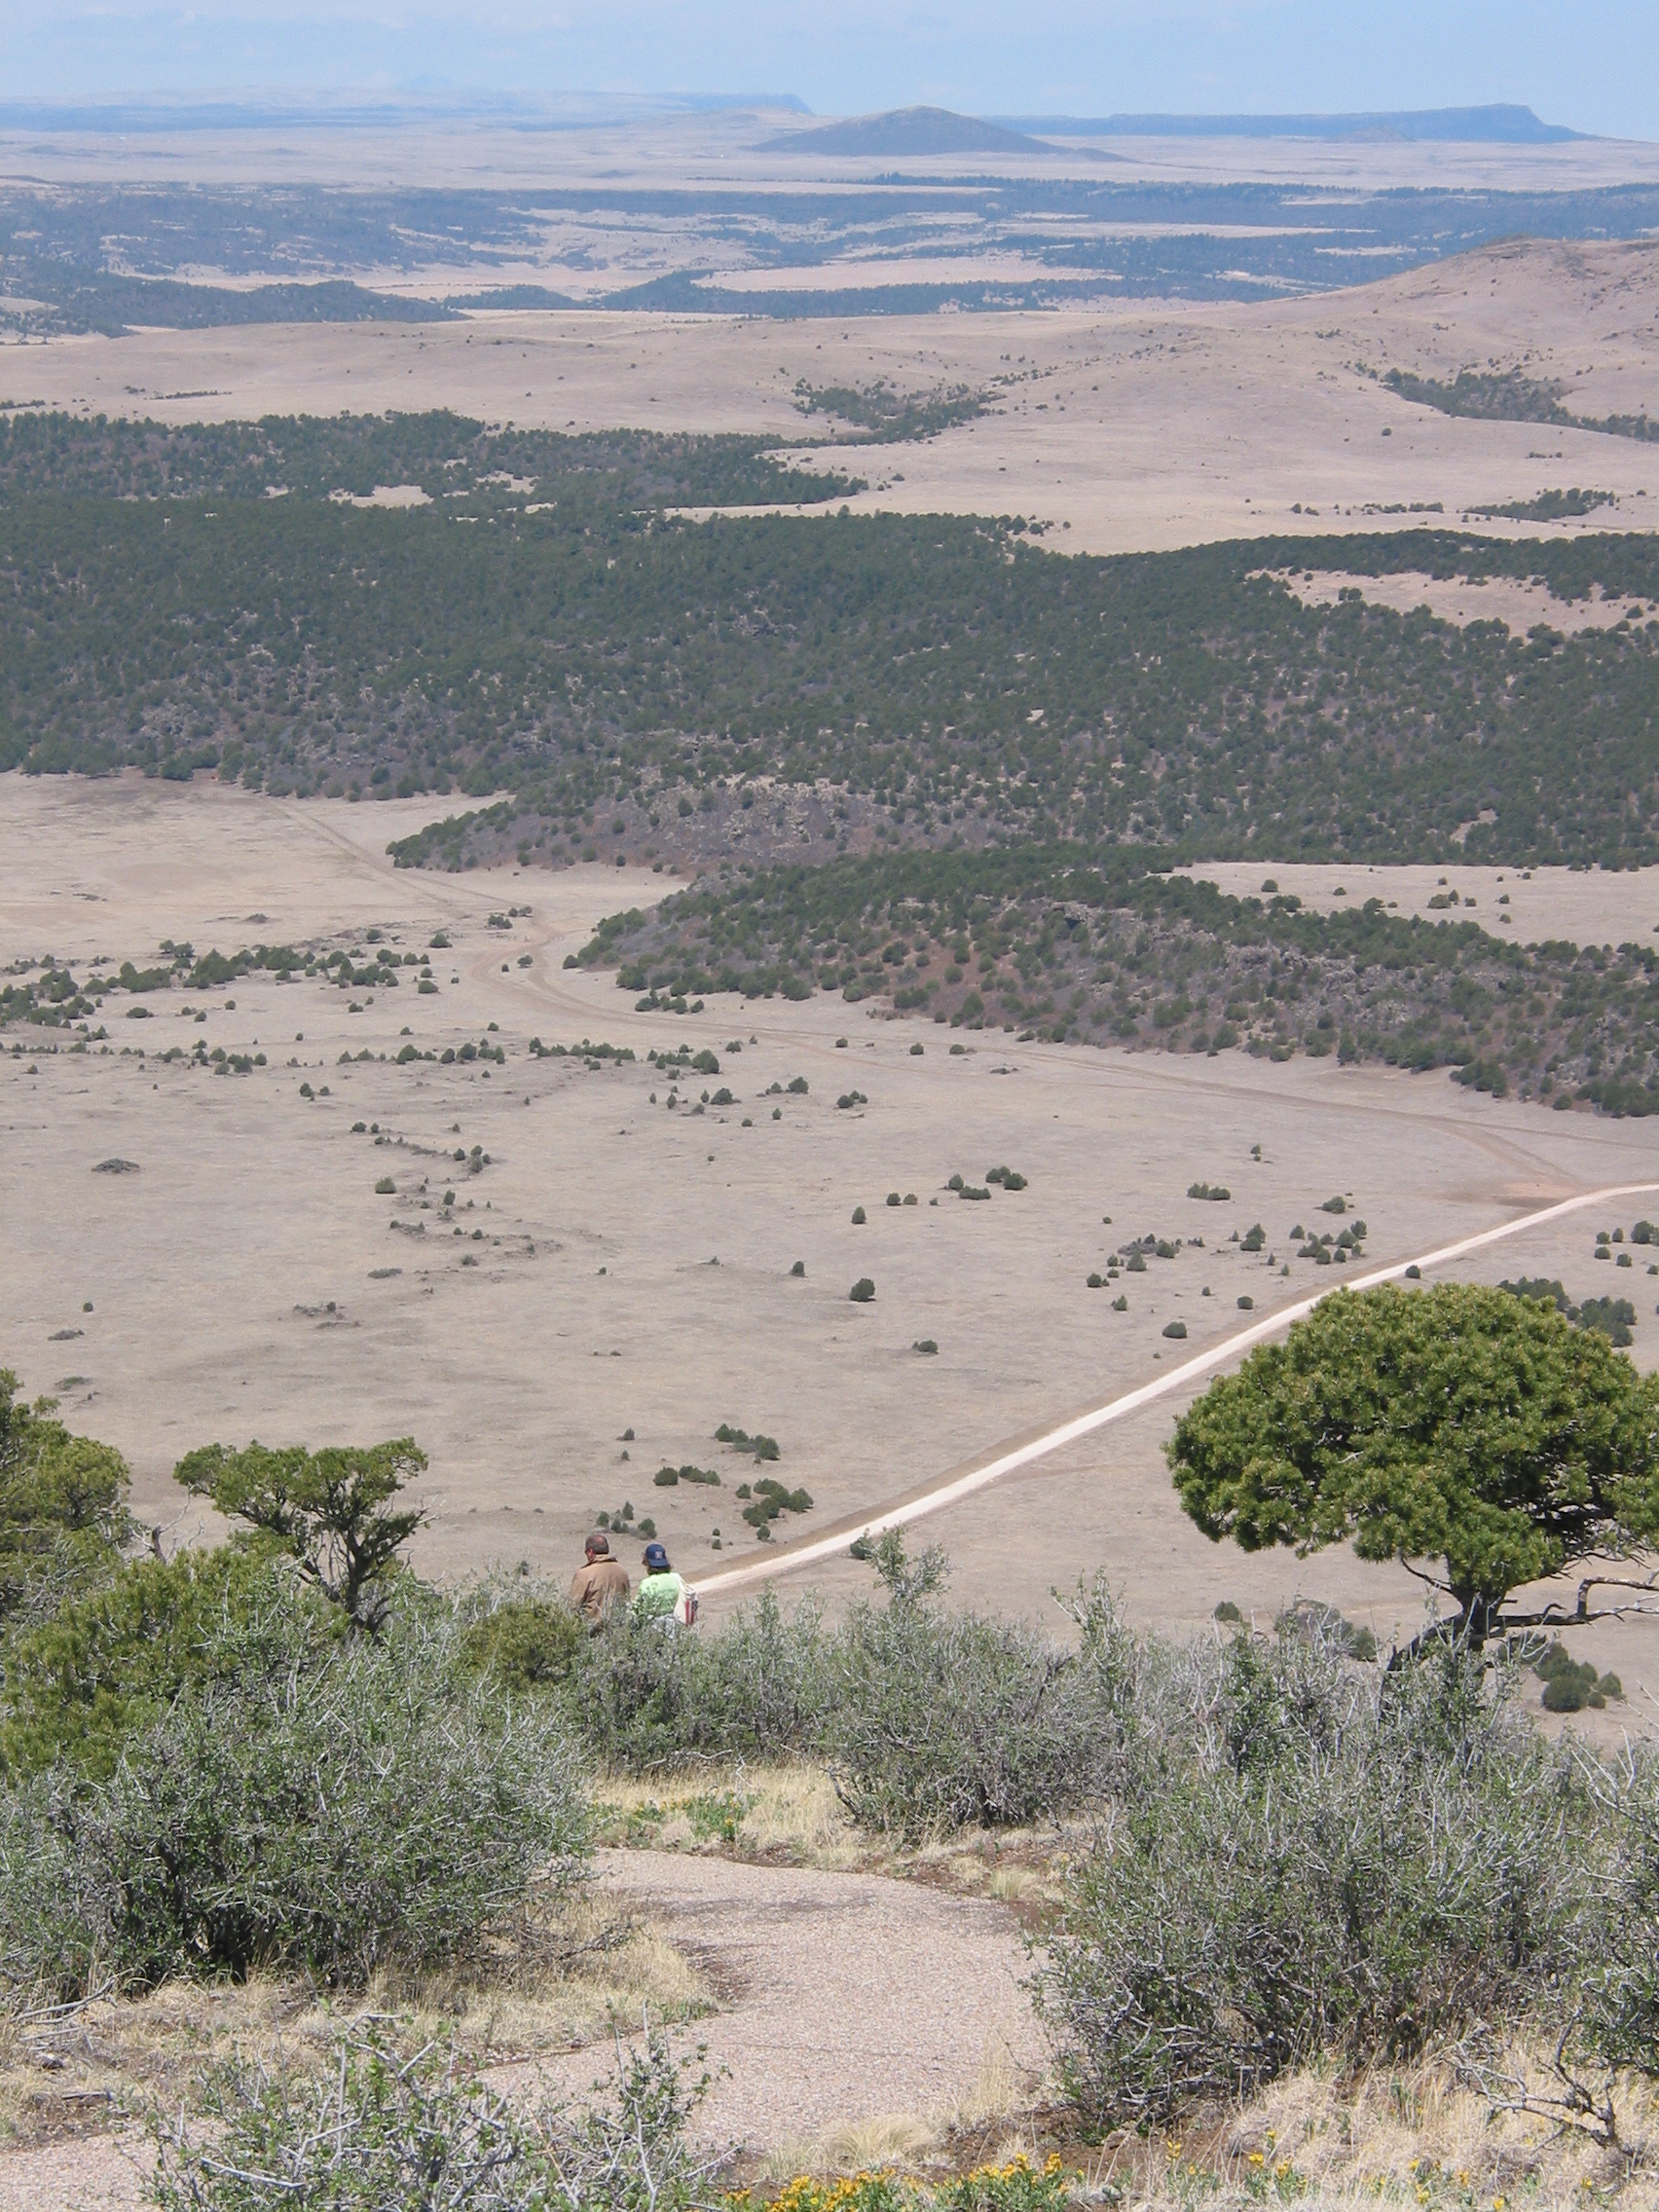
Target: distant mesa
(1494, 125)
(907, 130)
(116, 1167)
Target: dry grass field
(1140, 425)
(620, 1266)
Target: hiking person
(600, 1584)
(663, 1594)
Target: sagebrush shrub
(1313, 1859)
(944, 1719)
(378, 2131)
(646, 1698)
(312, 1803)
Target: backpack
(685, 1609)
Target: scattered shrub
(1246, 1304)
(798, 1268)
(1208, 1190)
(1174, 1328)
(894, 1198)
(925, 1345)
(666, 1478)
(862, 1291)
(771, 1501)
(857, 1216)
(1007, 1177)
(740, 1440)
(386, 1187)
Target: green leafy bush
(862, 1291)
(518, 1644)
(740, 1440)
(63, 1515)
(108, 1664)
(331, 1510)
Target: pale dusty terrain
(1585, 907)
(1521, 604)
(632, 1263)
(1139, 427)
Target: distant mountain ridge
(1497, 125)
(907, 130)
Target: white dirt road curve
(1020, 1451)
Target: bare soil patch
(1519, 604)
(1578, 905)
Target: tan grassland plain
(1131, 425)
(624, 1265)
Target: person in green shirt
(661, 1587)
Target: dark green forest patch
(1070, 945)
(1508, 395)
(547, 627)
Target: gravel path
(844, 1997)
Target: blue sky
(1593, 65)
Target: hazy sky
(1592, 64)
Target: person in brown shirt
(601, 1584)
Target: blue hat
(656, 1559)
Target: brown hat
(599, 1547)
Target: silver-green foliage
(326, 1805)
(945, 1718)
(385, 2134)
(645, 1696)
(1306, 1856)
